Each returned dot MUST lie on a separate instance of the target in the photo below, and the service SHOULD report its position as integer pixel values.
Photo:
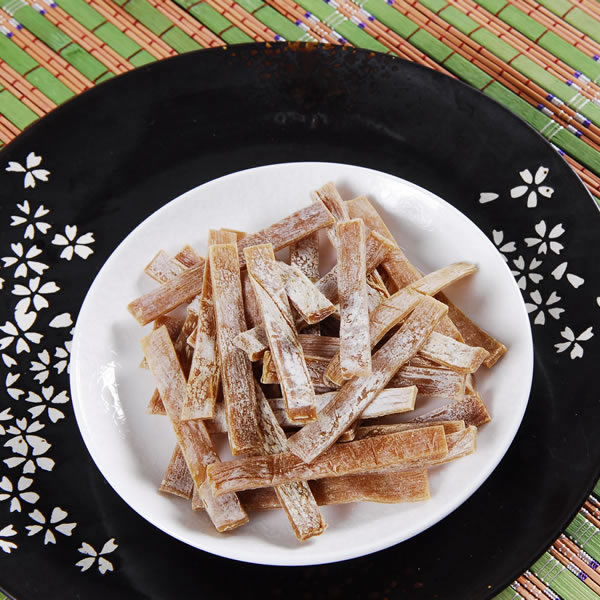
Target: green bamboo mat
(541, 59)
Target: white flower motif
(31, 173)
(4, 417)
(541, 306)
(41, 367)
(486, 197)
(34, 292)
(48, 393)
(19, 494)
(78, 246)
(30, 465)
(574, 280)
(8, 531)
(62, 320)
(54, 526)
(63, 354)
(23, 438)
(104, 565)
(577, 350)
(529, 179)
(31, 221)
(20, 331)
(13, 392)
(8, 360)
(548, 241)
(522, 272)
(23, 260)
(503, 247)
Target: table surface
(539, 59)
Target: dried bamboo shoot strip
(177, 479)
(365, 431)
(473, 334)
(304, 254)
(188, 257)
(447, 351)
(289, 230)
(316, 370)
(361, 456)
(386, 316)
(173, 325)
(296, 498)
(319, 346)
(236, 371)
(349, 403)
(332, 200)
(387, 488)
(251, 310)
(355, 347)
(436, 281)
(168, 296)
(285, 348)
(306, 298)
(431, 381)
(253, 342)
(226, 513)
(162, 267)
(469, 409)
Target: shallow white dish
(132, 449)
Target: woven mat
(539, 59)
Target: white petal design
(22, 306)
(577, 351)
(21, 290)
(556, 231)
(36, 411)
(38, 517)
(559, 271)
(532, 241)
(29, 467)
(15, 505)
(536, 297)
(13, 461)
(486, 197)
(35, 427)
(25, 320)
(21, 271)
(87, 549)
(24, 483)
(7, 546)
(532, 199)
(546, 191)
(39, 302)
(38, 444)
(540, 228)
(509, 247)
(29, 232)
(553, 298)
(18, 445)
(585, 335)
(575, 280)
(9, 361)
(9, 329)
(519, 263)
(67, 253)
(55, 415)
(109, 547)
(30, 497)
(556, 247)
(8, 531)
(556, 312)
(60, 240)
(49, 288)
(540, 318)
(86, 238)
(83, 251)
(6, 484)
(17, 220)
(526, 176)
(536, 277)
(49, 538)
(45, 463)
(104, 565)
(568, 334)
(38, 267)
(15, 167)
(66, 528)
(33, 529)
(62, 320)
(522, 283)
(29, 180)
(85, 563)
(58, 514)
(61, 398)
(540, 175)
(33, 160)
(41, 174)
(71, 232)
(518, 191)
(530, 307)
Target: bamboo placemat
(539, 59)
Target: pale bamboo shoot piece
(386, 488)
(289, 230)
(355, 347)
(188, 257)
(253, 342)
(162, 267)
(304, 255)
(285, 348)
(306, 298)
(251, 310)
(226, 513)
(361, 456)
(177, 479)
(430, 381)
(236, 371)
(470, 409)
(296, 498)
(332, 200)
(350, 402)
(436, 281)
(319, 346)
(365, 431)
(448, 352)
(168, 296)
(316, 370)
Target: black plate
(119, 152)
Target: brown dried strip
(365, 431)
(188, 257)
(251, 310)
(370, 454)
(436, 281)
(387, 488)
(221, 236)
(306, 298)
(387, 315)
(316, 370)
(168, 296)
(332, 200)
(469, 409)
(473, 334)
(155, 404)
(355, 347)
(431, 381)
(349, 403)
(446, 351)
(296, 498)
(236, 371)
(173, 325)
(286, 351)
(304, 254)
(198, 451)
(289, 230)
(253, 342)
(177, 479)
(163, 268)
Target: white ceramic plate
(132, 449)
